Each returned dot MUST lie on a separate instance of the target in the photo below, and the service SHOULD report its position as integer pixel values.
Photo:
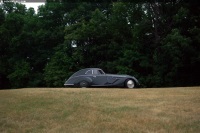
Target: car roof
(83, 71)
(90, 69)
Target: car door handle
(94, 76)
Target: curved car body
(97, 78)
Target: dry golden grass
(52, 110)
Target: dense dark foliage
(158, 42)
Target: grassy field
(52, 110)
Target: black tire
(130, 83)
(83, 84)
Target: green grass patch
(100, 110)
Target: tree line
(157, 42)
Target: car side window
(96, 72)
(100, 72)
(89, 72)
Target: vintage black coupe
(96, 77)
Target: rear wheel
(83, 84)
(130, 83)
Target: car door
(99, 79)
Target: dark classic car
(96, 77)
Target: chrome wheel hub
(130, 84)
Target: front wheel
(83, 84)
(130, 83)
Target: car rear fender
(87, 79)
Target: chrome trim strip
(68, 84)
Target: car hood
(123, 76)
